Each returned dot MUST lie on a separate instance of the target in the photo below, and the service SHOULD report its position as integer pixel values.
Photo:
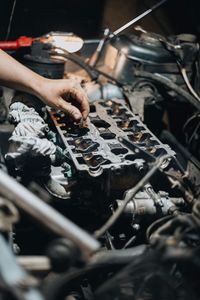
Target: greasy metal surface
(115, 138)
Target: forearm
(54, 93)
(16, 76)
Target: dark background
(87, 17)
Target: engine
(121, 193)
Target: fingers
(69, 109)
(79, 95)
(58, 94)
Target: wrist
(37, 86)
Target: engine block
(115, 139)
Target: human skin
(57, 93)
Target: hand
(62, 94)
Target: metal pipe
(14, 277)
(138, 18)
(99, 260)
(120, 257)
(96, 55)
(34, 263)
(46, 215)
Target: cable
(187, 123)
(170, 85)
(77, 60)
(188, 84)
(182, 70)
(129, 196)
(10, 20)
(190, 120)
(92, 71)
(194, 133)
(130, 241)
(157, 224)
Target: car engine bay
(109, 209)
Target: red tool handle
(22, 41)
